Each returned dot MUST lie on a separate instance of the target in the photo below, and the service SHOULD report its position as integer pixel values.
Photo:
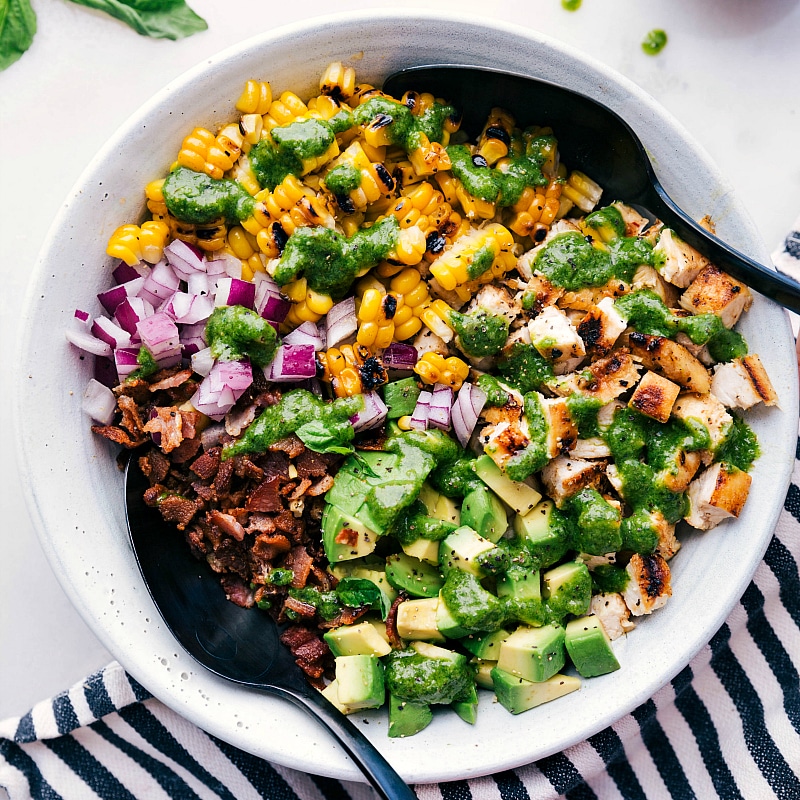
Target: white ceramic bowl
(75, 492)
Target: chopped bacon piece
(168, 424)
(227, 523)
(311, 465)
(312, 670)
(206, 465)
(266, 547)
(300, 563)
(347, 537)
(265, 496)
(391, 623)
(321, 486)
(119, 436)
(312, 650)
(131, 418)
(237, 591)
(222, 480)
(300, 490)
(154, 466)
(172, 381)
(291, 445)
(177, 509)
(299, 607)
(296, 635)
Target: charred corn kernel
(434, 368)
(409, 248)
(582, 191)
(456, 194)
(256, 98)
(473, 255)
(495, 139)
(375, 181)
(403, 314)
(437, 317)
(243, 173)
(376, 316)
(250, 126)
(341, 368)
(362, 93)
(284, 111)
(536, 210)
(242, 244)
(404, 423)
(351, 223)
(386, 270)
(405, 175)
(155, 198)
(338, 81)
(210, 236)
(429, 157)
(371, 305)
(323, 107)
(318, 303)
(202, 152)
(231, 139)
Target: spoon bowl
(238, 644)
(595, 140)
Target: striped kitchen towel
(717, 730)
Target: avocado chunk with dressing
(360, 681)
(521, 497)
(425, 673)
(483, 511)
(534, 654)
(518, 695)
(416, 620)
(567, 589)
(407, 717)
(466, 706)
(356, 640)
(521, 591)
(487, 646)
(344, 537)
(413, 576)
(462, 550)
(589, 647)
(544, 531)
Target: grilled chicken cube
(605, 415)
(655, 396)
(565, 476)
(670, 359)
(497, 301)
(561, 431)
(604, 380)
(743, 383)
(668, 543)
(635, 223)
(718, 494)
(591, 448)
(613, 614)
(699, 351)
(426, 341)
(546, 293)
(601, 327)
(678, 474)
(715, 292)
(647, 277)
(590, 296)
(707, 410)
(555, 337)
(680, 263)
(648, 584)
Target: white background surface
(730, 74)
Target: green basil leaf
(17, 27)
(161, 19)
(317, 437)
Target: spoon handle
(377, 770)
(770, 283)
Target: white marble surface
(730, 74)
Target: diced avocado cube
(522, 592)
(541, 530)
(483, 511)
(467, 706)
(442, 653)
(424, 549)
(521, 497)
(460, 550)
(331, 693)
(447, 624)
(567, 589)
(380, 628)
(413, 576)
(447, 511)
(589, 647)
(416, 619)
(344, 537)
(429, 497)
(487, 646)
(470, 604)
(534, 654)
(400, 397)
(360, 681)
(518, 695)
(347, 493)
(407, 717)
(354, 640)
(483, 673)
(598, 523)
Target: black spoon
(593, 139)
(235, 643)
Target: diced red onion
(219, 266)
(341, 322)
(111, 298)
(105, 371)
(111, 333)
(419, 417)
(99, 402)
(184, 259)
(123, 273)
(84, 317)
(222, 387)
(235, 292)
(84, 340)
(131, 311)
(193, 338)
(373, 415)
(202, 361)
(160, 284)
(466, 410)
(292, 363)
(322, 331)
(306, 333)
(269, 302)
(199, 284)
(188, 309)
(399, 356)
(161, 337)
(127, 360)
(441, 403)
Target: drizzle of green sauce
(147, 365)
(524, 367)
(569, 260)
(412, 676)
(479, 333)
(607, 221)
(496, 395)
(740, 447)
(329, 261)
(583, 411)
(455, 480)
(236, 332)
(343, 179)
(196, 198)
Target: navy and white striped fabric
(728, 726)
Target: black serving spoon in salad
(238, 644)
(593, 139)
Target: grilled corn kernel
(288, 108)
(256, 98)
(536, 210)
(338, 81)
(376, 316)
(410, 247)
(155, 198)
(210, 236)
(495, 139)
(434, 368)
(457, 195)
(582, 191)
(202, 152)
(375, 181)
(404, 423)
(429, 157)
(437, 317)
(341, 368)
(134, 244)
(250, 126)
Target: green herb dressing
(196, 198)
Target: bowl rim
(332, 762)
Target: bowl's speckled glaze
(75, 491)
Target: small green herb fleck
(654, 42)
